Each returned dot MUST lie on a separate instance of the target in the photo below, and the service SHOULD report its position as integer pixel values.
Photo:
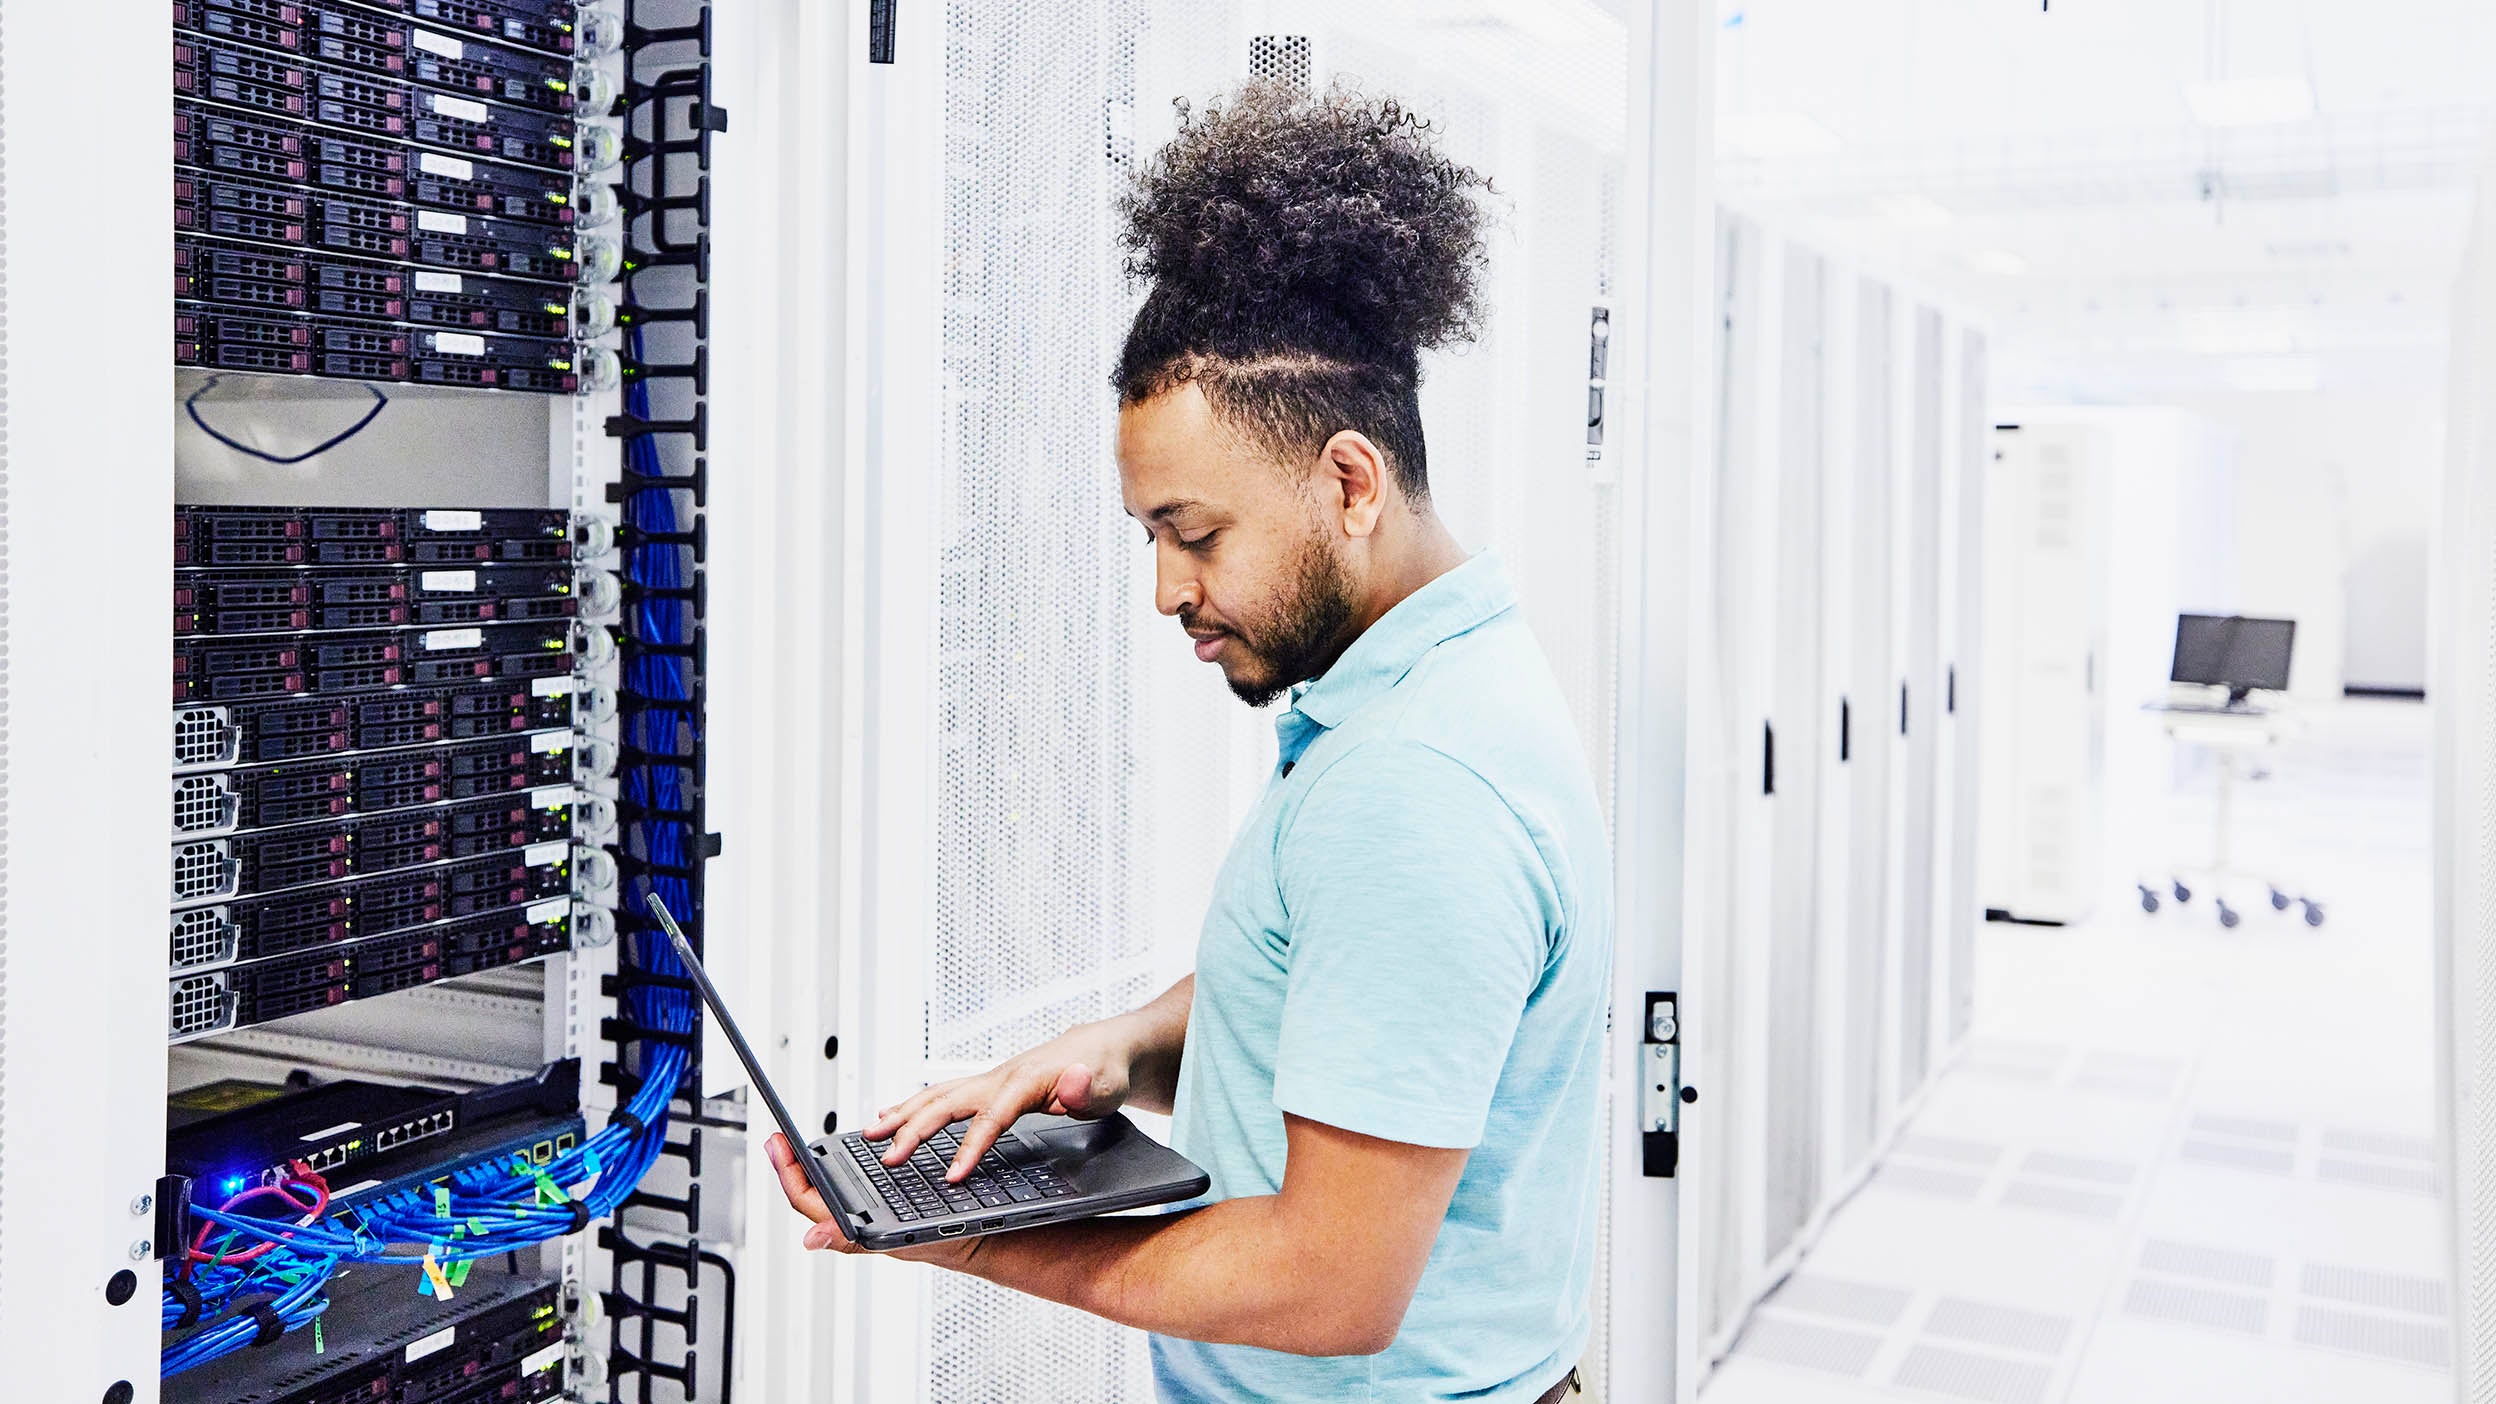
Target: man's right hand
(1083, 1072)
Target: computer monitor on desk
(2233, 652)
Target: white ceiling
(2043, 167)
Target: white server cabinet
(2045, 606)
(1964, 684)
(2464, 692)
(1793, 762)
(1847, 541)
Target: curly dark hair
(1303, 250)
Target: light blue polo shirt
(1411, 939)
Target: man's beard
(1301, 633)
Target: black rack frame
(669, 119)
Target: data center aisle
(2175, 1162)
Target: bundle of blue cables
(495, 1207)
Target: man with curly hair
(1388, 1057)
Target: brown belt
(1561, 1390)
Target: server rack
(408, 755)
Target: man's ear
(1356, 472)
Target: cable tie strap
(580, 1215)
(185, 1292)
(633, 1125)
(272, 1325)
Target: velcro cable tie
(272, 1325)
(185, 1292)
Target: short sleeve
(1420, 914)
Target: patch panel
(253, 536)
(212, 737)
(252, 602)
(389, 47)
(270, 146)
(483, 928)
(200, 1003)
(501, 1339)
(375, 103)
(208, 803)
(305, 855)
(290, 665)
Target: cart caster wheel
(2279, 900)
(2227, 916)
(2183, 893)
(2313, 914)
(2149, 901)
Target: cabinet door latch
(1660, 1090)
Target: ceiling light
(1917, 212)
(1770, 135)
(2001, 263)
(2250, 102)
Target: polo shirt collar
(1464, 598)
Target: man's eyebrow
(1171, 508)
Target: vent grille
(203, 736)
(202, 936)
(1280, 57)
(202, 870)
(203, 805)
(199, 1004)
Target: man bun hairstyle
(1303, 250)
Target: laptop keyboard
(916, 1189)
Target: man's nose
(1174, 586)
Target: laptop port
(987, 1225)
(950, 1230)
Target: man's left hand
(824, 1230)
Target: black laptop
(1043, 1170)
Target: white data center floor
(2175, 1162)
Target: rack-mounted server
(217, 999)
(210, 803)
(481, 903)
(364, 536)
(260, 666)
(267, 147)
(299, 89)
(226, 602)
(301, 855)
(212, 737)
(389, 46)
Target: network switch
(296, 600)
(364, 536)
(349, 1125)
(238, 996)
(382, 104)
(254, 733)
(470, 907)
(270, 147)
(304, 855)
(258, 666)
(271, 211)
(210, 803)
